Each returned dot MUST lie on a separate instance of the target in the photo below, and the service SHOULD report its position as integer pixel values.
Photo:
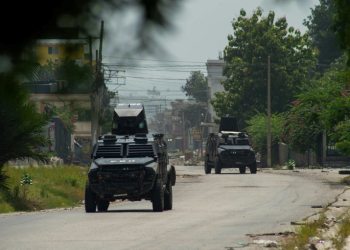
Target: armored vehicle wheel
(242, 170)
(102, 205)
(253, 168)
(218, 166)
(90, 199)
(168, 196)
(207, 165)
(158, 196)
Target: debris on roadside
(267, 243)
(286, 233)
(298, 223)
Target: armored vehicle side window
(142, 125)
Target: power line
(150, 59)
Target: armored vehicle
(130, 164)
(229, 148)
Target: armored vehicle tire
(207, 165)
(90, 199)
(242, 170)
(218, 166)
(168, 196)
(253, 168)
(102, 205)
(158, 196)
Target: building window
(76, 47)
(87, 57)
(53, 50)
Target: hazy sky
(201, 29)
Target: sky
(200, 32)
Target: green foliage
(21, 127)
(65, 114)
(254, 39)
(323, 108)
(107, 120)
(196, 86)
(257, 130)
(323, 39)
(195, 114)
(26, 179)
(290, 164)
(78, 77)
(54, 187)
(341, 26)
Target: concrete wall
(76, 100)
(301, 160)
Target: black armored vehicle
(229, 148)
(130, 164)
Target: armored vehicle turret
(229, 148)
(130, 164)
(129, 119)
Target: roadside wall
(301, 160)
(54, 161)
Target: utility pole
(97, 92)
(268, 115)
(202, 132)
(183, 132)
(308, 136)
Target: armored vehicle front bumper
(115, 178)
(236, 156)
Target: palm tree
(21, 127)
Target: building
(214, 69)
(59, 49)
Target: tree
(322, 38)
(196, 86)
(195, 114)
(21, 127)
(325, 107)
(257, 130)
(341, 26)
(78, 78)
(254, 39)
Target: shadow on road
(129, 211)
(236, 173)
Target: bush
(290, 164)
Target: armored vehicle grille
(140, 150)
(115, 168)
(109, 151)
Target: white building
(214, 68)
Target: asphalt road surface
(209, 212)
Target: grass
(343, 231)
(277, 166)
(53, 187)
(346, 180)
(303, 234)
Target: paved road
(209, 212)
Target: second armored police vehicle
(229, 148)
(130, 164)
